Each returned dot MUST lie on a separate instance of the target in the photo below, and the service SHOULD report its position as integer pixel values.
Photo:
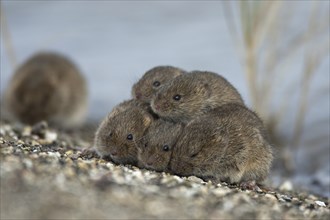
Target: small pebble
(220, 192)
(54, 155)
(271, 197)
(69, 152)
(286, 186)
(50, 136)
(2, 132)
(195, 179)
(74, 156)
(28, 163)
(320, 203)
(26, 131)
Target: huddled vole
(228, 144)
(155, 148)
(48, 86)
(152, 80)
(117, 134)
(193, 94)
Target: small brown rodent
(152, 80)
(193, 94)
(48, 86)
(117, 134)
(155, 148)
(229, 144)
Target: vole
(155, 148)
(193, 94)
(117, 134)
(48, 86)
(228, 144)
(154, 79)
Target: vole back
(230, 144)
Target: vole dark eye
(193, 155)
(156, 84)
(146, 145)
(110, 134)
(166, 148)
(129, 137)
(177, 97)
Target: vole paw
(89, 153)
(250, 185)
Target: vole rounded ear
(194, 150)
(139, 144)
(178, 128)
(133, 90)
(203, 88)
(207, 89)
(147, 119)
(179, 73)
(115, 111)
(221, 136)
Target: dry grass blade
(271, 49)
(7, 39)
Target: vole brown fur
(154, 149)
(48, 86)
(117, 134)
(152, 80)
(228, 144)
(193, 94)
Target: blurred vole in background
(49, 87)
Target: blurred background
(276, 53)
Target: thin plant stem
(7, 39)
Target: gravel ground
(47, 174)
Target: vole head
(152, 80)
(181, 99)
(155, 148)
(117, 135)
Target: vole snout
(114, 152)
(160, 105)
(150, 162)
(157, 107)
